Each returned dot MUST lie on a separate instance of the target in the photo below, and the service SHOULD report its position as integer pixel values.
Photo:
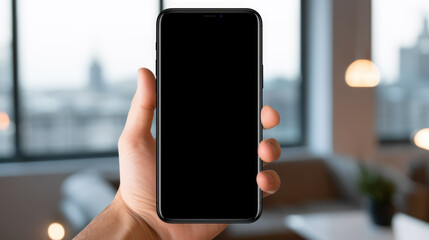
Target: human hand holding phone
(132, 214)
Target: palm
(137, 155)
(141, 162)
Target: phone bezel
(158, 112)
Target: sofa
(308, 186)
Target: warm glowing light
(362, 73)
(4, 121)
(421, 138)
(56, 231)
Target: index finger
(269, 117)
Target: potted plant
(379, 192)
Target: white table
(348, 225)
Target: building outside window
(7, 128)
(401, 51)
(78, 72)
(77, 66)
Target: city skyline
(92, 117)
(403, 105)
(55, 54)
(394, 27)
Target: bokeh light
(4, 121)
(362, 73)
(421, 138)
(56, 231)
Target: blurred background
(350, 79)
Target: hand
(137, 151)
(132, 213)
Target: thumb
(139, 120)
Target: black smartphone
(209, 99)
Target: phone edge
(260, 105)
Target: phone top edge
(210, 10)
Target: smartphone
(209, 99)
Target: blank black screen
(208, 115)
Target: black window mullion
(15, 82)
(304, 69)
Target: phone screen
(208, 115)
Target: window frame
(20, 156)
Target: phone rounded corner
(256, 217)
(256, 14)
(161, 15)
(160, 215)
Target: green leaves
(376, 187)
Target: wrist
(144, 213)
(140, 228)
(118, 221)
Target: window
(282, 68)
(76, 66)
(401, 51)
(6, 121)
